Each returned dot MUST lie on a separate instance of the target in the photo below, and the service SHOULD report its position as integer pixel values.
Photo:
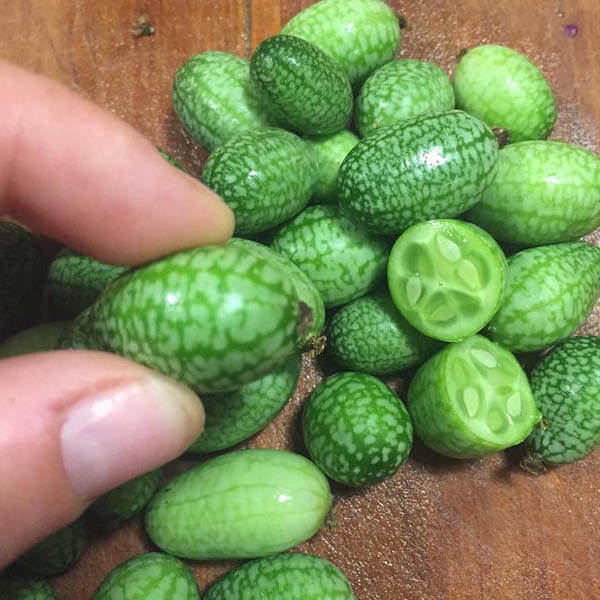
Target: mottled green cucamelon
(214, 317)
(471, 399)
(79, 333)
(402, 89)
(359, 35)
(150, 576)
(58, 552)
(75, 281)
(237, 415)
(214, 99)
(18, 585)
(305, 89)
(289, 576)
(328, 152)
(22, 273)
(371, 336)
(430, 167)
(265, 176)
(550, 291)
(243, 504)
(356, 429)
(38, 338)
(545, 192)
(126, 500)
(342, 260)
(505, 89)
(566, 387)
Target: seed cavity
(485, 358)
(513, 405)
(414, 290)
(447, 248)
(441, 313)
(467, 272)
(471, 400)
(496, 421)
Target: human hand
(75, 424)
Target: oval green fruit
(150, 576)
(399, 90)
(430, 167)
(371, 336)
(342, 260)
(214, 317)
(289, 576)
(356, 429)
(38, 338)
(359, 35)
(550, 291)
(545, 192)
(18, 585)
(505, 89)
(566, 387)
(265, 176)
(214, 99)
(471, 399)
(305, 89)
(235, 416)
(243, 504)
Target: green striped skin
(328, 152)
(545, 192)
(22, 274)
(38, 338)
(402, 89)
(16, 585)
(289, 576)
(549, 293)
(214, 99)
(505, 89)
(58, 552)
(266, 177)
(126, 500)
(237, 415)
(214, 317)
(150, 576)
(356, 429)
(172, 160)
(305, 289)
(446, 277)
(360, 35)
(243, 504)
(343, 261)
(371, 336)
(79, 334)
(305, 89)
(471, 399)
(75, 281)
(430, 167)
(566, 387)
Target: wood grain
(440, 529)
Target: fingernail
(218, 220)
(126, 429)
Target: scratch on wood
(248, 27)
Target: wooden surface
(440, 529)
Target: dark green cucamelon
(214, 317)
(550, 291)
(265, 176)
(235, 416)
(75, 281)
(38, 338)
(566, 387)
(430, 167)
(305, 89)
(150, 576)
(341, 259)
(58, 552)
(505, 89)
(214, 99)
(171, 160)
(356, 429)
(79, 333)
(545, 192)
(371, 336)
(16, 584)
(289, 576)
(359, 35)
(399, 90)
(22, 274)
(243, 504)
(126, 500)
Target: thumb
(74, 425)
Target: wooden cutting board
(440, 529)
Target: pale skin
(74, 423)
